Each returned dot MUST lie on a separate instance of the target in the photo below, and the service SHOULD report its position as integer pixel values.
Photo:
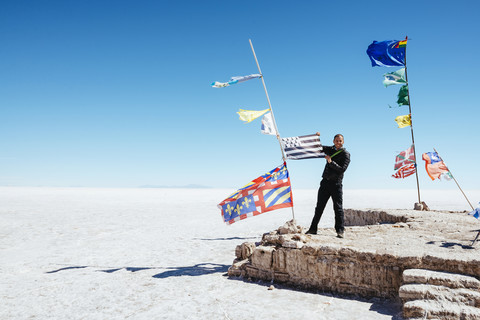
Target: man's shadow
(192, 271)
(449, 244)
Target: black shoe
(341, 234)
(310, 231)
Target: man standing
(338, 160)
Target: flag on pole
(388, 53)
(267, 125)
(268, 192)
(234, 80)
(433, 165)
(404, 121)
(475, 213)
(403, 96)
(250, 115)
(404, 157)
(405, 171)
(303, 147)
(396, 77)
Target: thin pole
(411, 123)
(271, 110)
(478, 233)
(268, 99)
(455, 180)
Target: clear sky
(117, 93)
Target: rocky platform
(380, 252)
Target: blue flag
(390, 53)
(475, 213)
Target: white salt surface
(78, 253)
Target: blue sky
(117, 93)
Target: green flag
(403, 96)
(397, 77)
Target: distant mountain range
(188, 186)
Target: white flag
(267, 125)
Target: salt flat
(81, 253)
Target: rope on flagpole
(271, 110)
(478, 234)
(454, 179)
(411, 123)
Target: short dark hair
(339, 135)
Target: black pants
(329, 189)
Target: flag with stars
(268, 192)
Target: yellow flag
(250, 115)
(404, 121)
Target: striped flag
(268, 192)
(303, 147)
(405, 171)
(405, 157)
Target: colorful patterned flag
(405, 171)
(268, 192)
(403, 121)
(405, 157)
(388, 53)
(397, 77)
(234, 80)
(267, 125)
(434, 165)
(250, 115)
(403, 96)
(303, 147)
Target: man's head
(338, 141)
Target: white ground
(78, 253)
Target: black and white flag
(303, 147)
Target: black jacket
(334, 170)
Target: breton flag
(268, 192)
(303, 147)
(405, 157)
(234, 80)
(405, 171)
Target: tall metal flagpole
(411, 123)
(271, 110)
(268, 99)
